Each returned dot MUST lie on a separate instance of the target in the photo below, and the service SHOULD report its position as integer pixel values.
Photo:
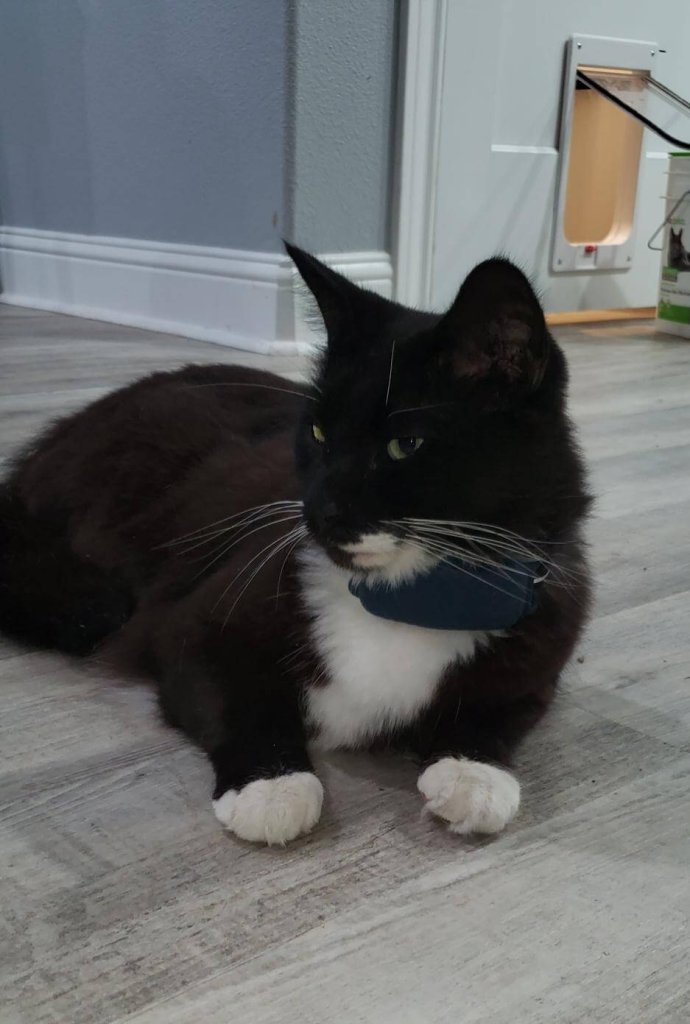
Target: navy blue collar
(456, 595)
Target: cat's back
(90, 510)
(142, 436)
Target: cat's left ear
(334, 294)
(496, 328)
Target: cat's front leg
(465, 780)
(234, 702)
(266, 790)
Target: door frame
(420, 92)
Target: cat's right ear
(334, 294)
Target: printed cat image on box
(678, 256)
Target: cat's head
(457, 417)
(676, 236)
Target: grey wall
(208, 122)
(345, 56)
(153, 119)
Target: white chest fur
(380, 674)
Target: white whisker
(303, 531)
(226, 519)
(278, 546)
(390, 374)
(248, 384)
(482, 527)
(241, 524)
(418, 408)
(483, 548)
(503, 542)
(243, 537)
(486, 540)
(460, 568)
(248, 564)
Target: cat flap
(652, 103)
(496, 327)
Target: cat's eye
(402, 447)
(318, 433)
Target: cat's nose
(329, 522)
(328, 514)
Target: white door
(493, 182)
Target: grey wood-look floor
(122, 900)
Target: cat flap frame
(594, 227)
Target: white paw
(470, 795)
(272, 811)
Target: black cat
(413, 577)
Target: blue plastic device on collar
(457, 595)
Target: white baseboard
(232, 297)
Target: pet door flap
(643, 98)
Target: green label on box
(669, 311)
(669, 274)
